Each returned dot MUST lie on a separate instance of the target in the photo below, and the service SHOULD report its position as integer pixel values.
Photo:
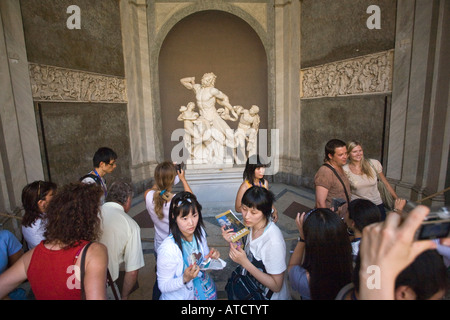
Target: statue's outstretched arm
(188, 82)
(223, 100)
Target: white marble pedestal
(215, 188)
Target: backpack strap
(92, 176)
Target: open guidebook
(230, 221)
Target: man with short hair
(330, 181)
(122, 236)
(104, 162)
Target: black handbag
(243, 286)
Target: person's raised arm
(386, 249)
(181, 175)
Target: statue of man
(188, 116)
(247, 130)
(207, 96)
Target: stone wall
(72, 132)
(78, 85)
(345, 79)
(95, 47)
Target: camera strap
(337, 175)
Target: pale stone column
(287, 96)
(143, 138)
(21, 161)
(418, 137)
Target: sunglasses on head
(308, 214)
(185, 198)
(179, 203)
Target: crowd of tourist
(76, 236)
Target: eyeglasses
(111, 163)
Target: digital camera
(179, 167)
(436, 225)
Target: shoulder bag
(386, 197)
(82, 271)
(243, 286)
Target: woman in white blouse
(35, 199)
(363, 177)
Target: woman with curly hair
(35, 199)
(72, 223)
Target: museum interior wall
(314, 67)
(76, 77)
(346, 78)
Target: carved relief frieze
(367, 74)
(49, 83)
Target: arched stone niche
(190, 39)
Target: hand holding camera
(179, 167)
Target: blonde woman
(157, 202)
(363, 177)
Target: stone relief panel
(363, 75)
(49, 83)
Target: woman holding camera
(321, 263)
(157, 201)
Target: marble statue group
(207, 134)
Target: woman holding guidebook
(181, 254)
(264, 256)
